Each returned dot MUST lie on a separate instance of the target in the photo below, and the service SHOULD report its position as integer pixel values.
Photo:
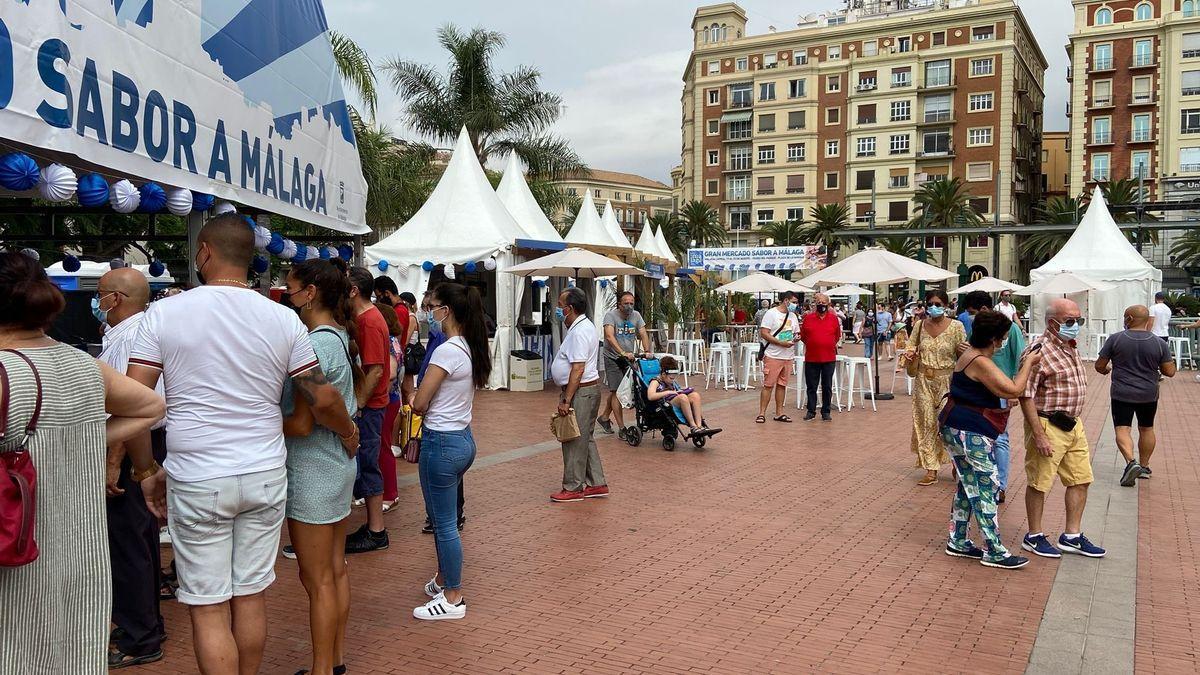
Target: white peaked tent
(588, 229)
(613, 227)
(664, 249)
(646, 244)
(1098, 250)
(462, 221)
(514, 193)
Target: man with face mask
(120, 304)
(1055, 440)
(1008, 309)
(780, 329)
(624, 332)
(574, 371)
(821, 333)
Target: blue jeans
(1001, 448)
(869, 346)
(445, 457)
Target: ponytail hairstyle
(467, 306)
(330, 279)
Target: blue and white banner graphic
(235, 98)
(763, 258)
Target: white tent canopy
(646, 244)
(1098, 251)
(989, 285)
(1066, 283)
(462, 221)
(588, 229)
(876, 266)
(848, 290)
(613, 227)
(514, 193)
(573, 262)
(664, 249)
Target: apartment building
(634, 198)
(1056, 164)
(874, 98)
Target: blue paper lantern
(154, 198)
(469, 267)
(327, 252)
(202, 201)
(92, 191)
(301, 254)
(250, 222)
(71, 264)
(604, 283)
(275, 246)
(427, 266)
(157, 268)
(382, 265)
(260, 264)
(346, 252)
(18, 172)
(538, 284)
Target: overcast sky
(617, 63)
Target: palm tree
(1038, 247)
(785, 232)
(1124, 192)
(1186, 249)
(701, 224)
(944, 203)
(503, 112)
(355, 68)
(825, 219)
(399, 176)
(905, 246)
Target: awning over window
(736, 117)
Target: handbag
(912, 367)
(414, 356)
(996, 417)
(18, 490)
(565, 427)
(410, 438)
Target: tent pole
(875, 393)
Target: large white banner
(236, 98)
(757, 258)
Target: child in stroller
(662, 405)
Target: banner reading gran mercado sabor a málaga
(236, 98)
(765, 258)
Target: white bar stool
(694, 348)
(720, 365)
(854, 364)
(748, 363)
(907, 380)
(798, 366)
(1179, 345)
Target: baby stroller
(655, 415)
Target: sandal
(119, 659)
(388, 506)
(761, 419)
(928, 480)
(166, 590)
(783, 418)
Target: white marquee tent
(588, 229)
(514, 193)
(1099, 250)
(664, 249)
(645, 243)
(613, 227)
(462, 221)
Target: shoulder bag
(18, 484)
(912, 367)
(762, 348)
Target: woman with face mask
(932, 350)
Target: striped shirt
(1059, 381)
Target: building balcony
(761, 193)
(899, 84)
(1142, 99)
(1105, 138)
(944, 83)
(740, 105)
(936, 153)
(795, 191)
(1189, 91)
(936, 118)
(1099, 103)
(740, 138)
(1098, 177)
(1141, 137)
(1101, 66)
(737, 168)
(1190, 53)
(865, 86)
(1190, 130)
(1189, 168)
(1142, 61)
(736, 197)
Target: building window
(765, 216)
(981, 33)
(904, 44)
(833, 83)
(832, 148)
(714, 67)
(866, 113)
(1139, 163)
(1143, 53)
(834, 52)
(766, 185)
(1102, 93)
(898, 144)
(711, 187)
(795, 213)
(831, 180)
(902, 77)
(738, 188)
(979, 136)
(1141, 128)
(899, 179)
(1101, 130)
(937, 108)
(766, 91)
(770, 60)
(937, 73)
(795, 184)
(870, 47)
(980, 240)
(1189, 159)
(795, 152)
(867, 81)
(898, 212)
(1141, 90)
(866, 147)
(742, 63)
(1191, 82)
(1191, 41)
(739, 158)
(935, 242)
(1189, 8)
(766, 154)
(739, 218)
(1189, 121)
(766, 123)
(714, 97)
(935, 142)
(796, 119)
(835, 21)
(714, 157)
(901, 111)
(981, 67)
(981, 205)
(621, 215)
(737, 130)
(800, 57)
(864, 180)
(833, 116)
(938, 39)
(796, 89)
(714, 127)
(1102, 58)
(979, 171)
(740, 95)
(979, 102)
(1100, 167)
(1103, 16)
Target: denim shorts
(369, 480)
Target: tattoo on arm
(308, 381)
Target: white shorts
(225, 534)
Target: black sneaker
(810, 415)
(1012, 562)
(1145, 473)
(826, 417)
(605, 425)
(972, 551)
(118, 659)
(1131, 473)
(365, 541)
(428, 529)
(621, 435)
(289, 552)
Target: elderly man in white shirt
(133, 534)
(575, 371)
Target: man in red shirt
(821, 334)
(374, 353)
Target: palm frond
(548, 157)
(354, 66)
(702, 224)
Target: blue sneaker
(1040, 545)
(1080, 545)
(970, 551)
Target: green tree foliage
(824, 220)
(944, 203)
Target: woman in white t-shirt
(457, 367)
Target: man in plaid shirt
(1055, 440)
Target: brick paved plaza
(779, 548)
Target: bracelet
(140, 476)
(347, 436)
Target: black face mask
(822, 308)
(199, 274)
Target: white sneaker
(438, 609)
(432, 589)
(164, 537)
(359, 503)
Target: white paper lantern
(57, 184)
(224, 207)
(124, 197)
(448, 270)
(664, 282)
(179, 202)
(262, 237)
(489, 264)
(289, 250)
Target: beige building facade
(876, 98)
(1056, 164)
(634, 198)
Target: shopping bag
(565, 427)
(625, 390)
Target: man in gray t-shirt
(1137, 359)
(624, 328)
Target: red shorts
(776, 372)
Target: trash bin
(525, 372)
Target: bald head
(1059, 308)
(821, 299)
(1137, 317)
(123, 292)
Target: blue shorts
(369, 480)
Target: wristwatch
(140, 476)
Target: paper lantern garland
(275, 245)
(260, 264)
(202, 201)
(346, 252)
(382, 265)
(157, 268)
(469, 267)
(57, 183)
(448, 271)
(152, 198)
(124, 197)
(223, 208)
(18, 172)
(71, 264)
(179, 202)
(427, 266)
(489, 264)
(289, 250)
(262, 237)
(92, 191)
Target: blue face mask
(1068, 332)
(936, 311)
(793, 307)
(559, 316)
(100, 314)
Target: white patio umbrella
(848, 290)
(991, 285)
(573, 262)
(761, 282)
(1065, 283)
